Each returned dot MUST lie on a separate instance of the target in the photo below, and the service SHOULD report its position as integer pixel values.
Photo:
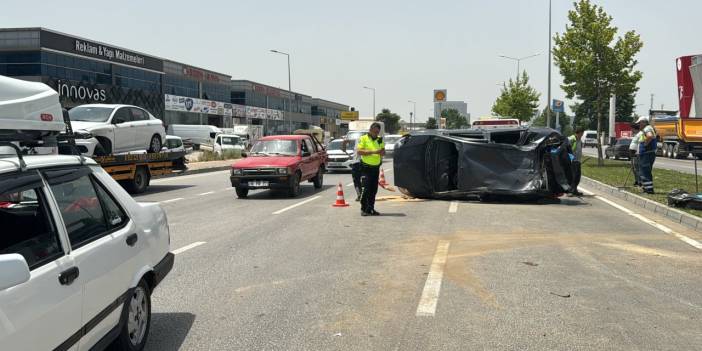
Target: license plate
(258, 183)
(336, 164)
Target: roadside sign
(557, 106)
(440, 95)
(349, 115)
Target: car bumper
(339, 166)
(87, 146)
(162, 269)
(274, 182)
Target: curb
(195, 171)
(675, 215)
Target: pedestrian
(647, 154)
(576, 145)
(634, 153)
(355, 167)
(372, 149)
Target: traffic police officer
(372, 149)
(647, 154)
(576, 145)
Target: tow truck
(33, 110)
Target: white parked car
(197, 134)
(224, 142)
(174, 144)
(390, 140)
(103, 129)
(79, 258)
(337, 158)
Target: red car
(280, 162)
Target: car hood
(267, 161)
(87, 125)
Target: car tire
(136, 321)
(242, 193)
(140, 182)
(294, 189)
(318, 180)
(155, 144)
(103, 148)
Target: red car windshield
(275, 147)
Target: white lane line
(171, 200)
(453, 208)
(349, 184)
(228, 188)
(185, 177)
(692, 242)
(432, 287)
(207, 193)
(188, 247)
(296, 205)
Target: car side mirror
(13, 271)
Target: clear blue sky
(404, 49)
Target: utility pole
(548, 101)
(413, 113)
(373, 89)
(289, 84)
(651, 101)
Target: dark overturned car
(520, 162)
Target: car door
(145, 128)
(104, 246)
(124, 130)
(43, 313)
(308, 154)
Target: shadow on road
(169, 330)
(305, 192)
(155, 189)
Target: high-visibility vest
(573, 142)
(366, 143)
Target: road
(685, 165)
(272, 273)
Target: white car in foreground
(102, 129)
(79, 257)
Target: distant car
(197, 134)
(223, 143)
(174, 144)
(390, 140)
(589, 138)
(102, 129)
(619, 150)
(340, 160)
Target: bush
(226, 155)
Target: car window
(307, 146)
(173, 143)
(123, 114)
(138, 114)
(27, 228)
(88, 212)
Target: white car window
(123, 115)
(27, 227)
(139, 114)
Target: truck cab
(280, 162)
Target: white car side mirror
(13, 271)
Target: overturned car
(520, 162)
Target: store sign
(349, 115)
(60, 42)
(199, 74)
(440, 95)
(77, 92)
(187, 104)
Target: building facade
(460, 106)
(84, 71)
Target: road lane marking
(349, 184)
(188, 247)
(432, 287)
(453, 208)
(692, 242)
(296, 205)
(228, 188)
(172, 200)
(185, 177)
(207, 193)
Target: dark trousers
(356, 175)
(646, 160)
(369, 176)
(576, 176)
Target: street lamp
(369, 88)
(414, 113)
(289, 84)
(519, 59)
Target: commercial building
(460, 106)
(85, 71)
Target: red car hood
(267, 161)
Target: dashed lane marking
(171, 200)
(296, 205)
(349, 184)
(207, 193)
(453, 208)
(692, 242)
(188, 247)
(432, 287)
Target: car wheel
(103, 148)
(155, 144)
(136, 319)
(319, 179)
(294, 189)
(140, 182)
(242, 193)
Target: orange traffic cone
(382, 181)
(340, 202)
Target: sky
(403, 49)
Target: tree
(585, 113)
(517, 100)
(390, 119)
(454, 119)
(593, 65)
(431, 123)
(563, 119)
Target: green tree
(517, 100)
(431, 123)
(593, 64)
(585, 113)
(454, 119)
(563, 119)
(390, 119)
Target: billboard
(686, 90)
(349, 115)
(188, 104)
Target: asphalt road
(684, 165)
(579, 274)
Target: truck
(34, 111)
(678, 137)
(248, 133)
